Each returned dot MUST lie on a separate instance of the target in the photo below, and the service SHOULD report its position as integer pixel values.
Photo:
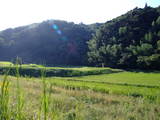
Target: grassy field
(114, 95)
(127, 83)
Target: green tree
(145, 49)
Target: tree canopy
(128, 41)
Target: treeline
(131, 40)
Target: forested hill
(131, 40)
(52, 42)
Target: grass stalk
(19, 96)
(45, 97)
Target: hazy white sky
(15, 13)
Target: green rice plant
(134, 91)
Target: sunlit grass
(137, 78)
(107, 88)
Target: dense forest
(51, 42)
(131, 40)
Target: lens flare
(55, 27)
(59, 32)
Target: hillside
(131, 40)
(51, 42)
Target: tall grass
(44, 98)
(6, 111)
(4, 99)
(19, 97)
(16, 111)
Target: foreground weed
(19, 97)
(45, 98)
(4, 99)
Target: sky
(14, 13)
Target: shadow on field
(50, 72)
(142, 71)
